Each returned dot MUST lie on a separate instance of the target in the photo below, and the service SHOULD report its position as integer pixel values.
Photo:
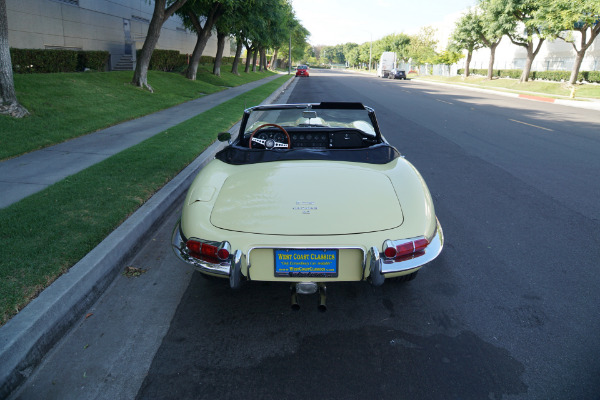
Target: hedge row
(558, 76)
(172, 60)
(26, 61)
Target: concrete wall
(94, 25)
(555, 55)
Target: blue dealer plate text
(309, 263)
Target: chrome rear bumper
(378, 265)
(209, 266)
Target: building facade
(554, 55)
(116, 26)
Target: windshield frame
(311, 106)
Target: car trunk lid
(296, 199)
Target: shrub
(26, 61)
(590, 76)
(94, 60)
(38, 60)
(166, 60)
(556, 76)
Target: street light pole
(290, 56)
(370, 52)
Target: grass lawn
(64, 106)
(550, 89)
(45, 234)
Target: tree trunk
(575, 71)
(203, 34)
(531, 53)
(468, 63)
(527, 67)
(254, 55)
(261, 54)
(248, 57)
(219, 56)
(160, 15)
(8, 97)
(274, 59)
(490, 72)
(263, 57)
(236, 60)
(585, 44)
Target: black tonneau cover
(381, 153)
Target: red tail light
(401, 248)
(223, 254)
(200, 248)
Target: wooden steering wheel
(270, 144)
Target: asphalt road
(510, 309)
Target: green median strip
(45, 234)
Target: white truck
(386, 63)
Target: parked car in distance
(308, 195)
(397, 74)
(302, 70)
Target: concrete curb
(27, 337)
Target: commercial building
(554, 55)
(116, 26)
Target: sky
(332, 22)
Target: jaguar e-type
(308, 194)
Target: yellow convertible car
(308, 194)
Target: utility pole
(370, 52)
(290, 56)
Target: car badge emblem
(306, 207)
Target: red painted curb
(538, 98)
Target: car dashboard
(318, 138)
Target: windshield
(308, 117)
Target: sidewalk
(32, 172)
(28, 336)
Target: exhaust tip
(294, 299)
(322, 298)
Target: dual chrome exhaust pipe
(309, 288)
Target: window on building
(71, 2)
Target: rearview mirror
(224, 137)
(309, 114)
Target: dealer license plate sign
(306, 263)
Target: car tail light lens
(199, 248)
(222, 254)
(395, 249)
(390, 252)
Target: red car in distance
(302, 70)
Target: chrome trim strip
(430, 253)
(180, 249)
